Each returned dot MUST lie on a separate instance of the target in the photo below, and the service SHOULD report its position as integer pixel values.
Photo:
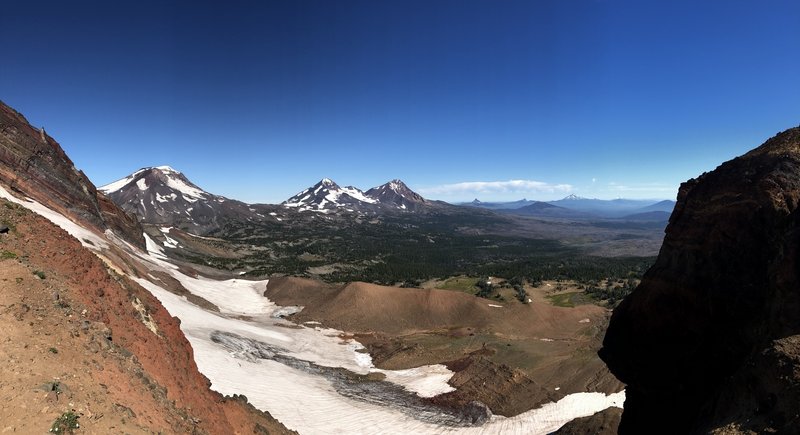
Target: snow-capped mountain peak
(163, 195)
(167, 169)
(326, 196)
(396, 194)
(144, 178)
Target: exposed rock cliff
(33, 163)
(709, 340)
(129, 365)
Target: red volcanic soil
(120, 360)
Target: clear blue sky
(258, 100)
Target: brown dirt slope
(710, 337)
(528, 353)
(361, 307)
(121, 359)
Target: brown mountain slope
(33, 164)
(122, 356)
(117, 349)
(513, 357)
(362, 307)
(710, 338)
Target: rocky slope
(78, 337)
(396, 194)
(72, 315)
(710, 339)
(33, 163)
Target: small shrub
(5, 255)
(53, 350)
(66, 423)
(40, 274)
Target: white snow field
(295, 373)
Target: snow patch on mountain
(187, 190)
(326, 196)
(87, 238)
(119, 184)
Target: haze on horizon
(460, 99)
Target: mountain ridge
(34, 164)
(326, 196)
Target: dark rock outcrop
(709, 339)
(604, 422)
(34, 164)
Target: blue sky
(258, 100)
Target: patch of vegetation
(518, 285)
(406, 250)
(53, 350)
(459, 283)
(6, 255)
(39, 274)
(485, 287)
(611, 291)
(66, 423)
(569, 300)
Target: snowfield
(309, 378)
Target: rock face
(176, 397)
(709, 340)
(33, 163)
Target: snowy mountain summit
(164, 196)
(396, 194)
(163, 178)
(326, 196)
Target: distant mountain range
(164, 196)
(574, 206)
